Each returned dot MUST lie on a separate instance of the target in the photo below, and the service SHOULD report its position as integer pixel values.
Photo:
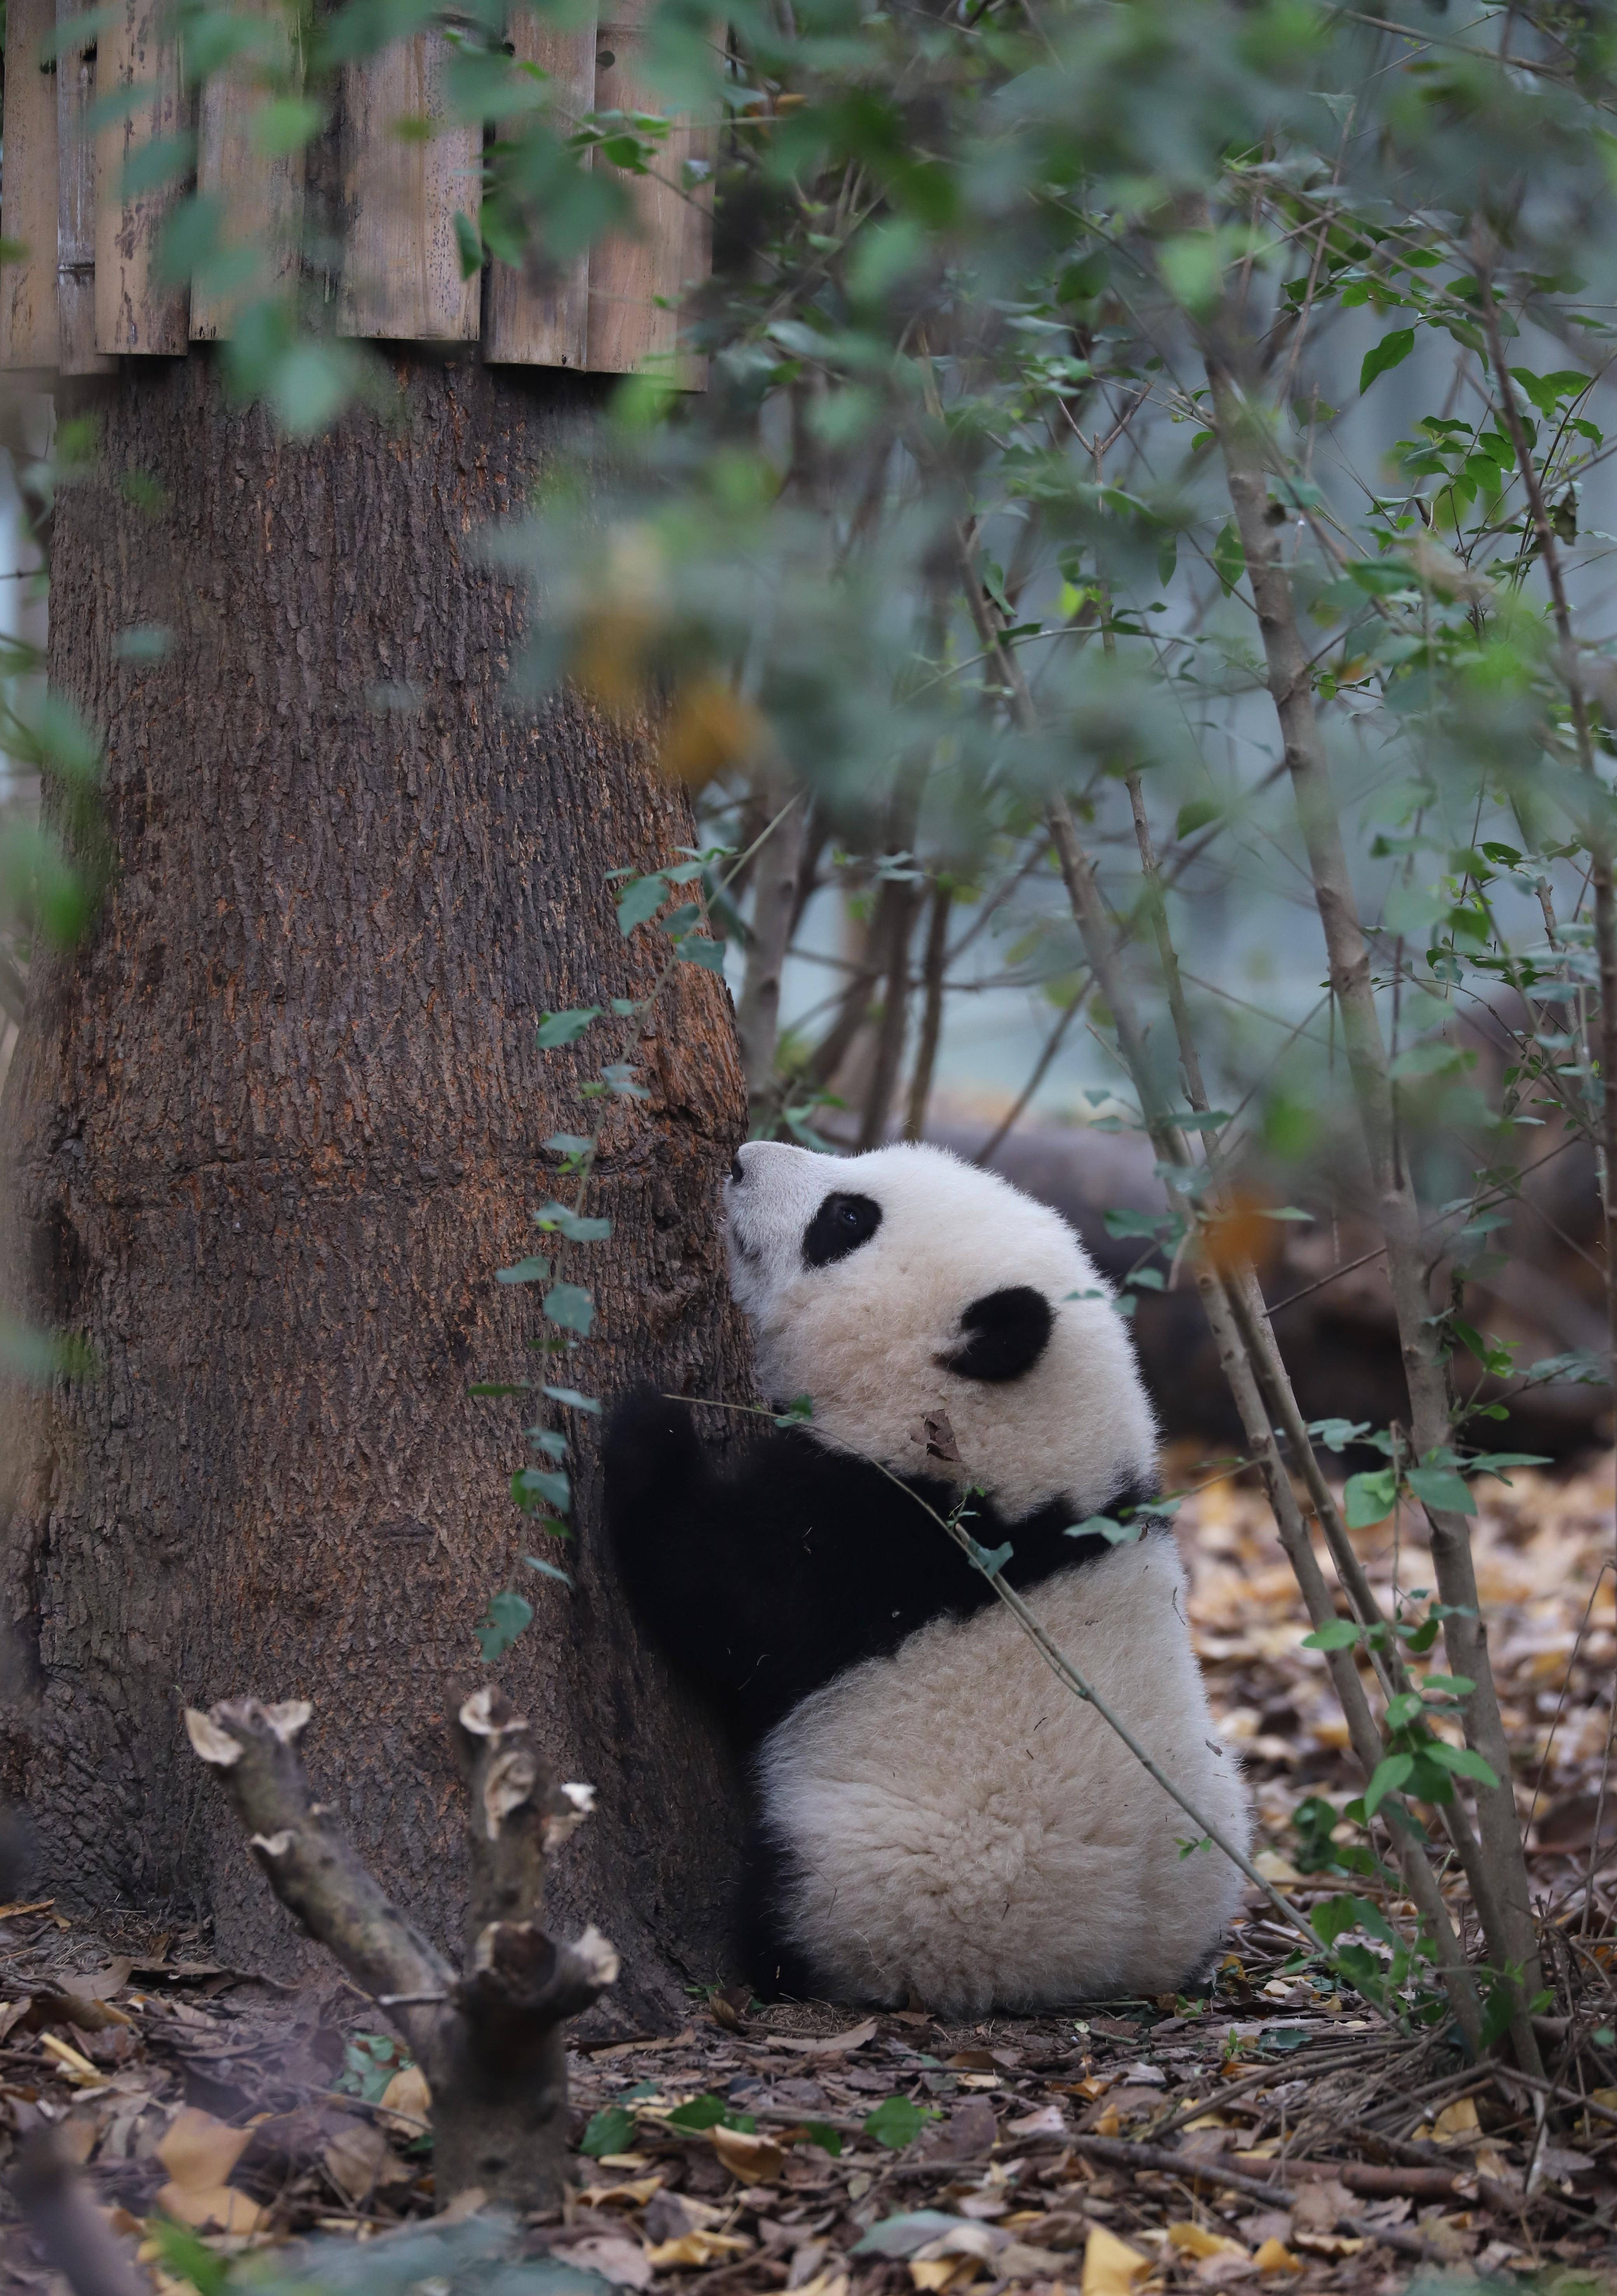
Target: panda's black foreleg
(770, 1962)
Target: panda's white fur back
(867, 1339)
(963, 1826)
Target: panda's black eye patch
(1006, 1334)
(840, 1225)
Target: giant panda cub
(936, 1815)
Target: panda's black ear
(1005, 1333)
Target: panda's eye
(840, 1225)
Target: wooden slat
(75, 209)
(133, 312)
(401, 271)
(27, 207)
(263, 197)
(674, 244)
(544, 321)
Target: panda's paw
(650, 1454)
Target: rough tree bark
(274, 1127)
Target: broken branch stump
(489, 2040)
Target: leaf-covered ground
(1278, 2134)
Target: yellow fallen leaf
(1275, 2256)
(632, 2194)
(755, 2159)
(219, 2209)
(696, 2248)
(1110, 2123)
(405, 2107)
(1196, 2239)
(1606, 2097)
(1327, 2243)
(940, 2272)
(1111, 2266)
(1274, 1868)
(201, 2151)
(825, 2283)
(626, 2159)
(1457, 2123)
(1208, 2120)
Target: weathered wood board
(76, 207)
(401, 277)
(542, 320)
(636, 281)
(28, 203)
(263, 196)
(134, 312)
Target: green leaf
(531, 1270)
(640, 899)
(286, 125)
(1441, 1488)
(572, 1224)
(1391, 351)
(550, 1570)
(535, 1486)
(508, 1616)
(1461, 1761)
(569, 1306)
(695, 948)
(184, 2255)
(829, 2140)
(491, 1387)
(311, 384)
(896, 2122)
(564, 1027)
(1390, 1773)
(468, 246)
(609, 2130)
(1228, 557)
(569, 1143)
(989, 1560)
(1404, 1708)
(1340, 1634)
(1457, 1685)
(1196, 815)
(1368, 1498)
(574, 1401)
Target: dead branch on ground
(489, 2040)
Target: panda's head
(893, 1286)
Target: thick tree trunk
(273, 1129)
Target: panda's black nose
(737, 1170)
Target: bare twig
(933, 967)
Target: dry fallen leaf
(622, 2261)
(823, 2044)
(755, 2159)
(1046, 2121)
(1111, 2266)
(1458, 2124)
(697, 2248)
(830, 2283)
(359, 2158)
(633, 2195)
(1317, 2206)
(1196, 2239)
(405, 2107)
(940, 2272)
(1275, 2256)
(198, 2152)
